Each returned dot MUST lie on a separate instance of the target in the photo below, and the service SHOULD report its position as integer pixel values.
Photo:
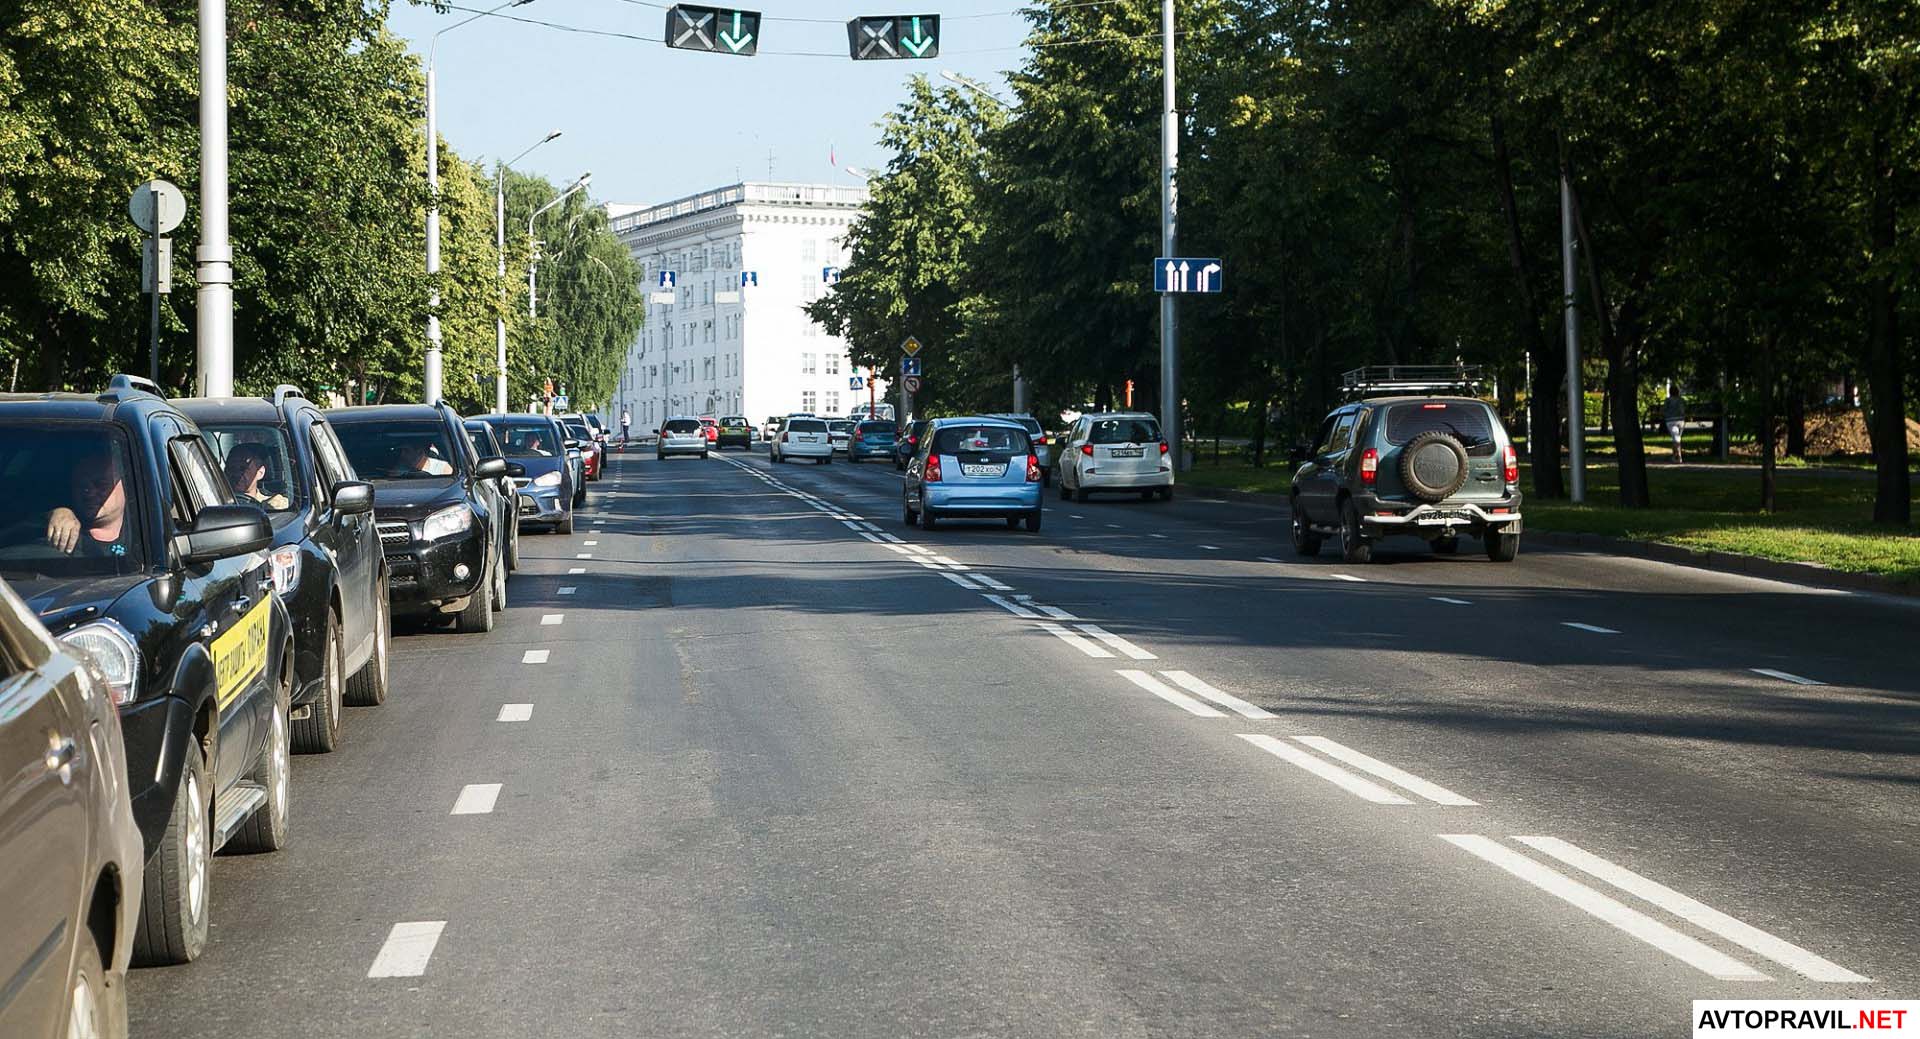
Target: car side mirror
(491, 468)
(515, 469)
(573, 445)
(352, 497)
(223, 531)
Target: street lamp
(500, 248)
(971, 84)
(533, 259)
(432, 374)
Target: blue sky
(654, 124)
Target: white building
(722, 347)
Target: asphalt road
(792, 768)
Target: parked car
(733, 429)
(72, 864)
(121, 534)
(328, 566)
(681, 436)
(1116, 451)
(537, 466)
(592, 454)
(487, 445)
(973, 468)
(1041, 448)
(872, 438)
(803, 438)
(840, 434)
(1432, 467)
(907, 443)
(442, 520)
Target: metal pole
(1576, 400)
(431, 388)
(1169, 206)
(213, 260)
(500, 319)
(1019, 392)
(153, 307)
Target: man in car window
(537, 443)
(246, 467)
(97, 525)
(416, 457)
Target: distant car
(710, 428)
(840, 432)
(771, 428)
(1041, 448)
(71, 860)
(592, 452)
(872, 438)
(907, 442)
(1116, 451)
(804, 438)
(681, 435)
(733, 429)
(973, 468)
(537, 465)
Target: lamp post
(500, 249)
(213, 260)
(533, 247)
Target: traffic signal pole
(1169, 164)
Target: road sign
(727, 296)
(668, 279)
(749, 279)
(157, 198)
(715, 30)
(855, 382)
(890, 36)
(1187, 274)
(909, 366)
(156, 275)
(910, 346)
(830, 275)
(911, 383)
(661, 297)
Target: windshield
(258, 463)
(73, 508)
(397, 450)
(734, 420)
(526, 438)
(1124, 431)
(680, 425)
(963, 439)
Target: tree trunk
(1260, 428)
(1886, 375)
(1622, 350)
(1549, 364)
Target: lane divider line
(1594, 628)
(1267, 559)
(1017, 611)
(1077, 641)
(588, 544)
(1164, 692)
(548, 620)
(991, 583)
(584, 555)
(1127, 649)
(515, 712)
(961, 581)
(950, 564)
(1365, 789)
(535, 656)
(871, 538)
(1398, 777)
(1690, 951)
(895, 548)
(568, 590)
(1453, 602)
(850, 525)
(1210, 548)
(1785, 676)
(407, 949)
(1232, 703)
(576, 570)
(476, 799)
(1162, 537)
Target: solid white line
(909, 546)
(1784, 676)
(1161, 690)
(950, 564)
(1052, 611)
(961, 581)
(1017, 611)
(871, 538)
(869, 526)
(891, 538)
(568, 590)
(577, 570)
(1406, 780)
(535, 656)
(1706, 918)
(1076, 641)
(1127, 649)
(1456, 602)
(407, 949)
(1365, 789)
(1690, 951)
(928, 563)
(1231, 702)
(1211, 548)
(515, 712)
(476, 799)
(1348, 577)
(1595, 628)
(991, 583)
(548, 620)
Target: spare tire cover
(1433, 465)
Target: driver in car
(97, 524)
(415, 458)
(246, 467)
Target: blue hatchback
(973, 468)
(872, 438)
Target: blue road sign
(855, 382)
(909, 366)
(749, 279)
(1191, 274)
(668, 278)
(830, 275)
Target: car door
(1075, 439)
(1323, 488)
(43, 841)
(353, 540)
(1309, 482)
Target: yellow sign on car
(240, 653)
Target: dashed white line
(476, 799)
(1162, 537)
(1164, 692)
(1365, 789)
(589, 544)
(950, 564)
(1785, 676)
(1077, 641)
(895, 548)
(407, 949)
(515, 712)
(1076, 515)
(1231, 702)
(1127, 649)
(850, 525)
(1113, 526)
(871, 538)
(1454, 602)
(577, 570)
(1017, 611)
(548, 620)
(567, 589)
(1348, 577)
(1052, 611)
(1405, 780)
(1594, 628)
(535, 656)
(961, 581)
(1210, 548)
(584, 555)
(991, 583)
(890, 538)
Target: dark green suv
(1425, 466)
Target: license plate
(1448, 514)
(1127, 452)
(983, 470)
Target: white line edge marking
(1398, 777)
(1691, 951)
(1077, 641)
(1594, 628)
(535, 656)
(871, 538)
(1348, 577)
(1452, 602)
(1365, 789)
(407, 949)
(991, 583)
(1785, 676)
(515, 712)
(1017, 611)
(951, 564)
(548, 620)
(1705, 917)
(961, 581)
(568, 590)
(476, 799)
(1127, 649)
(1164, 692)
(1231, 702)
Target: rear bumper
(727, 439)
(870, 451)
(1438, 519)
(683, 447)
(806, 450)
(1095, 480)
(961, 499)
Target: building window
(807, 398)
(833, 364)
(833, 402)
(809, 251)
(807, 366)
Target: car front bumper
(421, 574)
(542, 505)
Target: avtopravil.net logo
(1805, 1018)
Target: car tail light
(1500, 512)
(1163, 447)
(1433, 407)
(786, 438)
(913, 441)
(1510, 462)
(1369, 466)
(1086, 449)
(1040, 440)
(1033, 468)
(931, 474)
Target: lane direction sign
(716, 30)
(1188, 274)
(887, 37)
(909, 366)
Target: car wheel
(96, 1007)
(266, 828)
(1354, 546)
(907, 515)
(565, 526)
(477, 618)
(1502, 548)
(176, 886)
(319, 731)
(1306, 542)
(1065, 494)
(659, 456)
(703, 456)
(1079, 494)
(499, 585)
(927, 521)
(513, 545)
(827, 460)
(369, 687)
(1033, 522)
(580, 496)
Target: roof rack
(125, 383)
(285, 390)
(1383, 380)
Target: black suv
(441, 517)
(280, 454)
(121, 533)
(1419, 464)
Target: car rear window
(397, 450)
(966, 439)
(681, 425)
(842, 426)
(1124, 431)
(734, 420)
(876, 427)
(807, 425)
(1468, 420)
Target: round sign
(912, 383)
(157, 202)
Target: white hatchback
(681, 435)
(1115, 451)
(803, 438)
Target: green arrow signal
(919, 44)
(736, 39)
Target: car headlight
(454, 519)
(107, 648)
(551, 479)
(286, 568)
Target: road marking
(1595, 628)
(1456, 602)
(950, 564)
(1210, 548)
(548, 620)
(1233, 703)
(515, 712)
(1161, 690)
(1366, 789)
(1784, 676)
(1017, 611)
(584, 555)
(1268, 559)
(961, 581)
(891, 538)
(476, 799)
(1078, 642)
(1162, 537)
(850, 525)
(1745, 935)
(928, 563)
(1113, 526)
(1076, 515)
(1348, 577)
(577, 570)
(407, 949)
(909, 546)
(535, 656)
(991, 583)
(1127, 649)
(567, 589)
(1690, 951)
(867, 525)
(1052, 611)
(1405, 780)
(871, 538)
(896, 548)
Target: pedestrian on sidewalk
(1676, 416)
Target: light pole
(1169, 208)
(213, 260)
(533, 247)
(431, 382)
(500, 248)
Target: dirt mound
(1837, 431)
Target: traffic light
(716, 30)
(889, 36)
